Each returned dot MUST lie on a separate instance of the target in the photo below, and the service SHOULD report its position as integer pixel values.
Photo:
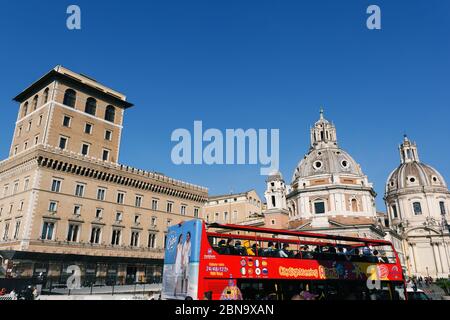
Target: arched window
(354, 205)
(91, 106)
(110, 113)
(35, 102)
(46, 95)
(25, 109)
(70, 98)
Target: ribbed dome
(326, 161)
(412, 175)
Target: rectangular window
(169, 222)
(63, 143)
(95, 235)
(98, 213)
(26, 184)
(225, 217)
(442, 207)
(115, 240)
(151, 241)
(136, 218)
(169, 207)
(6, 231)
(183, 210)
(195, 212)
(47, 230)
(53, 206)
(154, 204)
(118, 216)
(79, 190)
(216, 217)
(394, 211)
(25, 146)
(108, 135)
(16, 188)
(17, 230)
(138, 201)
(153, 222)
(72, 234)
(105, 155)
(36, 140)
(235, 216)
(319, 207)
(120, 197)
(21, 205)
(88, 128)
(5, 190)
(77, 210)
(101, 193)
(56, 185)
(67, 121)
(85, 149)
(417, 208)
(134, 239)
(29, 126)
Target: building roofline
(66, 74)
(231, 195)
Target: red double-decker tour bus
(235, 262)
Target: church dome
(412, 173)
(326, 161)
(325, 156)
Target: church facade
(418, 201)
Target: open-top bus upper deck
(246, 254)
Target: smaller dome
(412, 175)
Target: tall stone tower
(276, 215)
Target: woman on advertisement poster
(178, 266)
(185, 263)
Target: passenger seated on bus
(270, 251)
(379, 258)
(306, 253)
(222, 249)
(285, 252)
(248, 250)
(257, 249)
(239, 249)
(230, 246)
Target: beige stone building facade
(234, 208)
(65, 199)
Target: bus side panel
(181, 261)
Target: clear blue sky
(248, 64)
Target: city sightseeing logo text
(235, 146)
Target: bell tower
(276, 215)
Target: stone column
(444, 259)
(435, 249)
(412, 258)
